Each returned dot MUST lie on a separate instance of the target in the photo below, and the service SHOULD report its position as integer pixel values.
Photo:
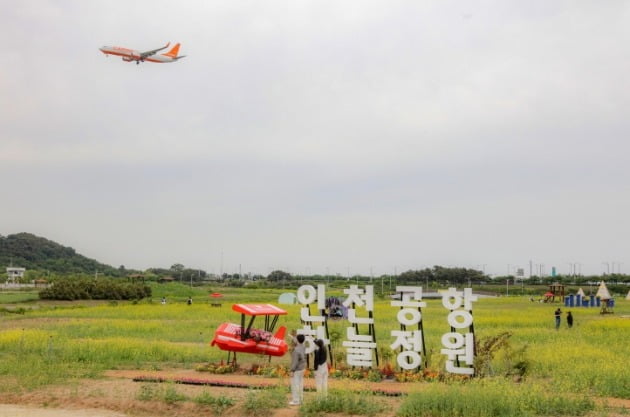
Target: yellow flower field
(50, 345)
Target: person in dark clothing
(557, 315)
(569, 319)
(321, 367)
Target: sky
(342, 137)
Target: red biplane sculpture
(234, 338)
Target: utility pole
(221, 263)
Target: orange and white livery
(129, 55)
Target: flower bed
(207, 382)
(249, 385)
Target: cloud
(319, 133)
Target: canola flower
(590, 358)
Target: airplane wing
(153, 52)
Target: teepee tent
(581, 292)
(602, 292)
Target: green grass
(218, 404)
(342, 402)
(50, 345)
(13, 297)
(495, 398)
(263, 402)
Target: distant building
(15, 274)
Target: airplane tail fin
(173, 52)
(280, 333)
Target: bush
(147, 392)
(342, 402)
(92, 289)
(217, 404)
(260, 403)
(171, 396)
(492, 399)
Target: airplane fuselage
(130, 55)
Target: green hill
(32, 252)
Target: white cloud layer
(320, 135)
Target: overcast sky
(321, 136)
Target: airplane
(234, 338)
(129, 55)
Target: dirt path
(386, 387)
(10, 410)
(117, 395)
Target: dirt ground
(9, 410)
(117, 395)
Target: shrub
(260, 403)
(338, 402)
(147, 392)
(91, 289)
(492, 399)
(218, 404)
(514, 361)
(171, 396)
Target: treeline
(442, 275)
(437, 274)
(95, 289)
(621, 279)
(177, 272)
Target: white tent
(602, 292)
(287, 298)
(628, 296)
(581, 292)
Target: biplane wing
(259, 309)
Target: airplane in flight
(129, 55)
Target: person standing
(298, 365)
(569, 319)
(557, 314)
(321, 368)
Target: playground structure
(556, 290)
(215, 299)
(246, 339)
(576, 300)
(336, 309)
(608, 302)
(601, 299)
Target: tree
(177, 267)
(279, 276)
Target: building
(15, 274)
